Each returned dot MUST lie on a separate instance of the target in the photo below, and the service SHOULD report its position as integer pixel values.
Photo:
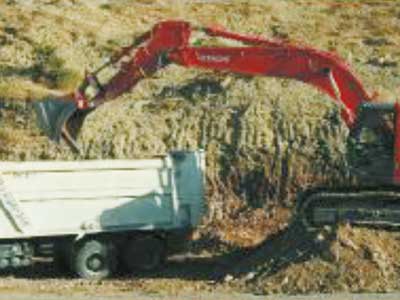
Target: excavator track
(365, 207)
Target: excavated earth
(265, 139)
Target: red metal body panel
(317, 68)
(164, 37)
(264, 57)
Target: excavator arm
(168, 42)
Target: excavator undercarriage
(368, 207)
(372, 199)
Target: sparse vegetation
(49, 69)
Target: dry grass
(265, 138)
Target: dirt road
(200, 296)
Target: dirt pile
(258, 151)
(347, 260)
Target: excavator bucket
(60, 119)
(52, 115)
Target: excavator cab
(373, 157)
(371, 144)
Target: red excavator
(373, 126)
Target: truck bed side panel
(85, 198)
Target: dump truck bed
(48, 198)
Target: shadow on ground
(292, 245)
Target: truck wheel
(94, 259)
(144, 254)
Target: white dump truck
(97, 216)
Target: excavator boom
(168, 42)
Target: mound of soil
(344, 260)
(258, 153)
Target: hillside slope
(265, 138)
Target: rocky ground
(355, 260)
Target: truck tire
(144, 254)
(94, 259)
